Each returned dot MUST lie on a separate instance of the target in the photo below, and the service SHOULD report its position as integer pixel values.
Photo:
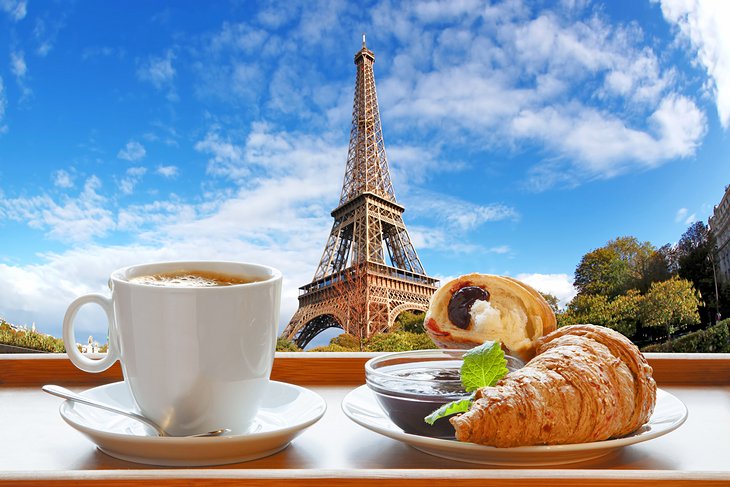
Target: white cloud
(413, 165)
(317, 28)
(680, 126)
(441, 10)
(441, 239)
(44, 45)
(20, 69)
(638, 79)
(17, 64)
(500, 249)
(600, 145)
(276, 14)
(227, 158)
(16, 9)
(704, 24)
(74, 219)
(544, 43)
(457, 213)
(45, 33)
(144, 220)
(40, 293)
(63, 179)
(158, 70)
(235, 80)
(245, 79)
(593, 94)
(286, 93)
(132, 178)
(133, 151)
(137, 171)
(280, 154)
(559, 285)
(238, 37)
(683, 216)
(168, 171)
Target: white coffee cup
(195, 358)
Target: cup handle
(69, 337)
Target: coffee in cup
(192, 278)
(195, 340)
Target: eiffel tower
(369, 271)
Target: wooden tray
(38, 448)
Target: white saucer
(361, 406)
(286, 411)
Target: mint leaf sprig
(453, 407)
(483, 366)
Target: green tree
(411, 321)
(398, 341)
(672, 304)
(619, 313)
(714, 339)
(695, 253)
(285, 345)
(333, 348)
(30, 339)
(394, 341)
(622, 264)
(624, 312)
(600, 272)
(656, 267)
(344, 342)
(347, 340)
(587, 308)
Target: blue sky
(520, 135)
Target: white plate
(286, 411)
(361, 406)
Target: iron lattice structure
(369, 271)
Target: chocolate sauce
(461, 302)
(414, 393)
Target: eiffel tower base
(389, 292)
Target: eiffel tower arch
(369, 271)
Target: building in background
(720, 228)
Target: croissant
(586, 383)
(474, 308)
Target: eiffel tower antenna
(369, 271)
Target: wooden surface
(326, 368)
(297, 368)
(38, 448)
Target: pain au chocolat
(586, 383)
(474, 308)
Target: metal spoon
(72, 396)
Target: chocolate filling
(461, 303)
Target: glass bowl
(411, 385)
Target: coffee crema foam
(184, 278)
